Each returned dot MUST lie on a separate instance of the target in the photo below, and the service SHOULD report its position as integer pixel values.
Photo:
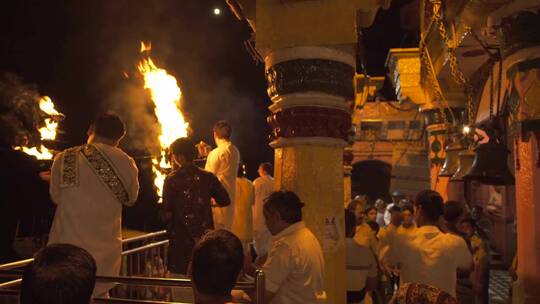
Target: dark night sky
(77, 51)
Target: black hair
(470, 221)
(452, 211)
(350, 223)
(185, 147)
(394, 208)
(109, 125)
(287, 204)
(216, 262)
(353, 204)
(374, 226)
(223, 129)
(408, 207)
(369, 208)
(60, 274)
(431, 203)
(267, 167)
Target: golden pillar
(308, 51)
(309, 87)
(520, 43)
(523, 74)
(437, 131)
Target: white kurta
(223, 161)
(264, 186)
(88, 215)
(243, 220)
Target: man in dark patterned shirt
(187, 195)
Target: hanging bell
(466, 159)
(490, 165)
(451, 162)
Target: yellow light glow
(47, 132)
(217, 11)
(466, 130)
(166, 96)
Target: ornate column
(308, 51)
(310, 118)
(437, 132)
(521, 51)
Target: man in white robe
(223, 161)
(89, 185)
(264, 186)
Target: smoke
(204, 52)
(130, 101)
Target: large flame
(47, 132)
(166, 96)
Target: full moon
(217, 11)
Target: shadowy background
(78, 53)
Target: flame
(42, 153)
(47, 132)
(166, 95)
(146, 47)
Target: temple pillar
(308, 51)
(437, 133)
(518, 31)
(309, 88)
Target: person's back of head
(216, 262)
(431, 205)
(109, 126)
(184, 147)
(223, 130)
(60, 274)
(452, 211)
(287, 204)
(267, 168)
(350, 223)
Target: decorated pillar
(308, 51)
(309, 87)
(437, 132)
(521, 51)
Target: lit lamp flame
(47, 132)
(166, 95)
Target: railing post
(260, 287)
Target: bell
(451, 162)
(490, 165)
(466, 159)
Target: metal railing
(141, 257)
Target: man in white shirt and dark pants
(223, 161)
(429, 256)
(294, 269)
(264, 186)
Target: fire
(47, 132)
(166, 95)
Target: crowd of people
(223, 227)
(424, 247)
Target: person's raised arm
(132, 182)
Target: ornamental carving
(315, 75)
(310, 122)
